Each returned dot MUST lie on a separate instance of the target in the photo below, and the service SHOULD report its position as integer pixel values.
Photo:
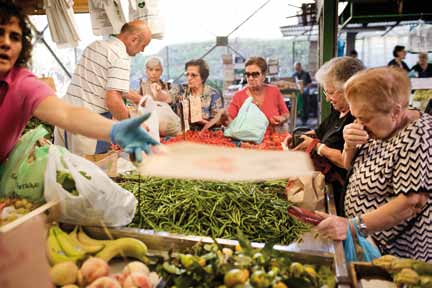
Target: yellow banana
(86, 247)
(54, 251)
(129, 247)
(67, 244)
(85, 239)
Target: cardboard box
(107, 162)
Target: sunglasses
(193, 75)
(253, 74)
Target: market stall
(176, 215)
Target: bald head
(136, 35)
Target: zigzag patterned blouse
(385, 168)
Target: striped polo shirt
(104, 65)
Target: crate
(107, 162)
(52, 208)
(365, 270)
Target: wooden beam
(35, 7)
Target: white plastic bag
(169, 122)
(100, 200)
(148, 105)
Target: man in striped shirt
(101, 81)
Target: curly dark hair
(204, 70)
(9, 10)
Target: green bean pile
(218, 210)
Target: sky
(201, 20)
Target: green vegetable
(68, 183)
(218, 210)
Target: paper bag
(306, 191)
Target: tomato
(235, 277)
(260, 279)
(279, 284)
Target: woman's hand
(277, 120)
(304, 144)
(354, 134)
(332, 227)
(155, 88)
(288, 141)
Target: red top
(20, 94)
(273, 104)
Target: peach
(135, 266)
(93, 268)
(105, 282)
(119, 277)
(137, 280)
(64, 273)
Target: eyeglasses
(193, 75)
(253, 74)
(326, 93)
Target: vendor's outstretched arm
(74, 119)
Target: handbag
(249, 125)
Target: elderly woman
(267, 97)
(154, 86)
(327, 141)
(197, 72)
(390, 154)
(423, 68)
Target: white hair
(154, 61)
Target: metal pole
(328, 23)
(167, 63)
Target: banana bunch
(62, 247)
(76, 246)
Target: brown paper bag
(307, 191)
(195, 109)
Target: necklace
(258, 98)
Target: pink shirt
(273, 104)
(20, 95)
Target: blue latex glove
(130, 136)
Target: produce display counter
(310, 250)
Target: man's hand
(134, 97)
(134, 140)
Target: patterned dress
(384, 169)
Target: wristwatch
(362, 228)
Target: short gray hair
(338, 70)
(154, 61)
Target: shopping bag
(98, 201)
(358, 248)
(148, 105)
(249, 125)
(169, 122)
(22, 175)
(306, 191)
